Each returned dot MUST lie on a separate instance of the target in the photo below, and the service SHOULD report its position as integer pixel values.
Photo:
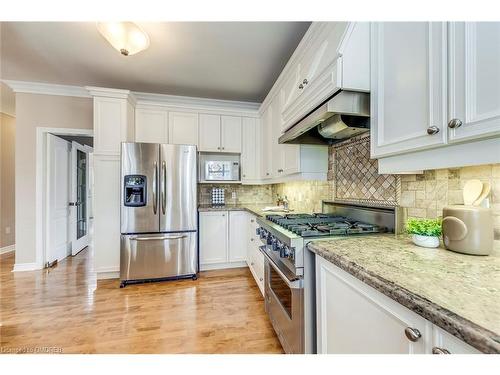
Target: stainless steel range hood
(344, 115)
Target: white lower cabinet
(213, 238)
(223, 239)
(255, 259)
(354, 318)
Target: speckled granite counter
(459, 293)
(255, 209)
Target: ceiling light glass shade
(126, 37)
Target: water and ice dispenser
(135, 190)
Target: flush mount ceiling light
(126, 37)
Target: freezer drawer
(159, 255)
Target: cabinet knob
(305, 81)
(412, 334)
(267, 174)
(252, 220)
(251, 239)
(454, 123)
(280, 170)
(251, 264)
(301, 86)
(436, 350)
(244, 175)
(218, 148)
(431, 130)
(261, 279)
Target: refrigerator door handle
(155, 184)
(164, 238)
(163, 187)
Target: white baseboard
(220, 266)
(7, 249)
(19, 267)
(104, 273)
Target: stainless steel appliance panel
(140, 159)
(178, 198)
(284, 301)
(159, 255)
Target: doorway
(68, 195)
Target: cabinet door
(209, 133)
(289, 92)
(213, 237)
(249, 149)
(151, 126)
(183, 128)
(238, 236)
(353, 318)
(231, 133)
(291, 159)
(408, 86)
(266, 142)
(444, 343)
(277, 150)
(474, 70)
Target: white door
(474, 53)
(354, 318)
(151, 126)
(231, 133)
(213, 237)
(238, 236)
(249, 149)
(209, 133)
(58, 197)
(408, 86)
(183, 128)
(79, 193)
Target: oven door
(284, 304)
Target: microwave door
(139, 198)
(178, 193)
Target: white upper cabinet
(183, 128)
(474, 70)
(209, 132)
(250, 149)
(231, 134)
(408, 98)
(266, 142)
(220, 133)
(151, 125)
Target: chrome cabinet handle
(436, 350)
(252, 220)
(454, 123)
(280, 170)
(163, 188)
(165, 238)
(251, 263)
(431, 130)
(261, 279)
(244, 175)
(155, 184)
(251, 239)
(305, 81)
(267, 174)
(301, 86)
(412, 334)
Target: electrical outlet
(7, 230)
(233, 195)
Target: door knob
(432, 130)
(412, 334)
(436, 350)
(454, 123)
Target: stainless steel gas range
(289, 267)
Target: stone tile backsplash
(304, 196)
(244, 193)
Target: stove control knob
(286, 252)
(270, 239)
(257, 231)
(282, 249)
(291, 255)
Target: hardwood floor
(67, 309)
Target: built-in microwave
(219, 167)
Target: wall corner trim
(7, 249)
(46, 88)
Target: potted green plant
(425, 232)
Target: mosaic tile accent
(356, 175)
(245, 194)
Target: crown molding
(189, 102)
(26, 87)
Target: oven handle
(296, 284)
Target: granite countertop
(459, 293)
(255, 209)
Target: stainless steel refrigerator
(159, 238)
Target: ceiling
(220, 60)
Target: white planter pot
(425, 241)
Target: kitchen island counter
(459, 293)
